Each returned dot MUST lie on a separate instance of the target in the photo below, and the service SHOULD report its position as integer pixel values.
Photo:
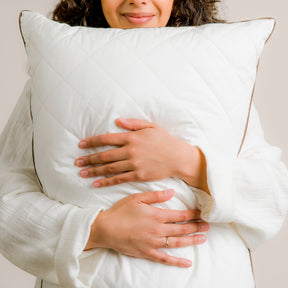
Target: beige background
(270, 260)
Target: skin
(114, 10)
(146, 152)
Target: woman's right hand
(135, 228)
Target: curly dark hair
(89, 13)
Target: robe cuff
(73, 239)
(219, 207)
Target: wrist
(96, 233)
(193, 170)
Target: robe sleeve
(249, 191)
(39, 235)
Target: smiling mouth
(138, 18)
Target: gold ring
(166, 244)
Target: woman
(260, 171)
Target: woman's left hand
(146, 153)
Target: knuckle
(193, 227)
(102, 157)
(150, 253)
(164, 259)
(140, 175)
(159, 217)
(136, 199)
(101, 139)
(184, 230)
(135, 164)
(119, 180)
(109, 169)
(92, 159)
(131, 137)
(177, 242)
(155, 231)
(135, 196)
(153, 243)
(92, 141)
(132, 152)
(183, 216)
(93, 172)
(158, 196)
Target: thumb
(156, 196)
(134, 124)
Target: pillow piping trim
(246, 128)
(20, 25)
(253, 91)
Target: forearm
(250, 191)
(261, 192)
(39, 235)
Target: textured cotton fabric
(46, 238)
(248, 199)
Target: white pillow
(196, 82)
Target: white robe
(43, 236)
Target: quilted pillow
(196, 82)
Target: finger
(112, 155)
(115, 180)
(183, 241)
(179, 215)
(113, 168)
(115, 139)
(156, 196)
(161, 257)
(134, 124)
(185, 229)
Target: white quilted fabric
(196, 82)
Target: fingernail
(202, 238)
(80, 162)
(169, 192)
(96, 184)
(84, 173)
(83, 144)
(123, 120)
(187, 263)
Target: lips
(138, 15)
(138, 18)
